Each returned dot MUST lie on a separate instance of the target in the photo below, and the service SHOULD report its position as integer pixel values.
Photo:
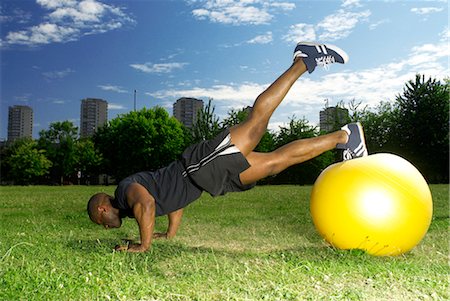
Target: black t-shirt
(167, 185)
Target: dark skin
(142, 204)
(245, 136)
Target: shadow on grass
(92, 245)
(167, 248)
(176, 255)
(296, 256)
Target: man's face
(110, 220)
(108, 216)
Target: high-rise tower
(94, 114)
(185, 110)
(20, 122)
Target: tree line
(414, 126)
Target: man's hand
(174, 223)
(132, 248)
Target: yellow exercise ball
(380, 203)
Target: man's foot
(356, 144)
(314, 54)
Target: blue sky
(56, 52)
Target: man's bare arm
(143, 206)
(174, 224)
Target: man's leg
(247, 134)
(267, 164)
(307, 56)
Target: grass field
(257, 245)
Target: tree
(379, 128)
(59, 143)
(144, 140)
(236, 116)
(422, 126)
(415, 126)
(306, 172)
(26, 162)
(297, 129)
(88, 158)
(267, 142)
(207, 125)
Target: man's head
(102, 212)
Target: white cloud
(351, 3)
(52, 4)
(333, 27)
(424, 59)
(281, 5)
(158, 68)
(230, 95)
(306, 98)
(44, 33)
(16, 15)
(113, 88)
(59, 74)
(371, 86)
(262, 39)
(24, 97)
(239, 12)
(300, 32)
(115, 106)
(259, 39)
(426, 10)
(234, 15)
(375, 25)
(445, 35)
(340, 24)
(68, 20)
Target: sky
(54, 53)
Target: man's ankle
(343, 137)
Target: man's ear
(102, 208)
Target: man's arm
(143, 206)
(174, 224)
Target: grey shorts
(214, 165)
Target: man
(224, 164)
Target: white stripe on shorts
(224, 148)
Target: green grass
(257, 245)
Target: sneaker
(356, 144)
(319, 55)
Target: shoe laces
(347, 154)
(325, 61)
